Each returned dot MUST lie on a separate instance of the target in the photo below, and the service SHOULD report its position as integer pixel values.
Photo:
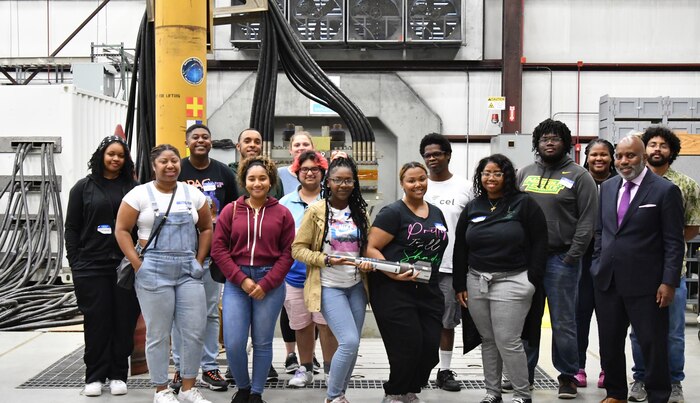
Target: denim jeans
(344, 310)
(243, 315)
(676, 339)
(212, 291)
(170, 292)
(561, 289)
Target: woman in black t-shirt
(408, 313)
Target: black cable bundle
(307, 77)
(144, 74)
(29, 297)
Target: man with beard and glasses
(567, 194)
(636, 268)
(663, 146)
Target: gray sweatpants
(498, 303)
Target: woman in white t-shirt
(169, 278)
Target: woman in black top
(110, 312)
(408, 313)
(500, 252)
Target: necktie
(624, 202)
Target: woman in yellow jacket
(333, 230)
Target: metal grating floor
(68, 372)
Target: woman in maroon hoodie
(252, 246)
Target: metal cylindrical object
(424, 269)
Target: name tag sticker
(479, 219)
(209, 187)
(104, 229)
(440, 227)
(566, 182)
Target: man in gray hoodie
(567, 194)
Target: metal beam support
(512, 77)
(9, 77)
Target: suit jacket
(648, 247)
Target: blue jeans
(676, 339)
(242, 315)
(212, 291)
(561, 289)
(170, 292)
(344, 310)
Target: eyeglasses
(496, 174)
(344, 182)
(547, 139)
(435, 154)
(306, 170)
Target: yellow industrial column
(181, 67)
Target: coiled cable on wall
(32, 242)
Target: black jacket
(89, 229)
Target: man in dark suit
(637, 258)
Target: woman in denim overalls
(169, 279)
(252, 246)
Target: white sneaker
(191, 396)
(393, 399)
(413, 398)
(117, 387)
(93, 389)
(301, 378)
(165, 396)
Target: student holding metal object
(408, 313)
(500, 253)
(332, 233)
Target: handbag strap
(235, 207)
(155, 232)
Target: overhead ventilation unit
(245, 32)
(317, 20)
(436, 21)
(375, 20)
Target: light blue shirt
(294, 203)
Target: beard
(554, 158)
(636, 170)
(658, 162)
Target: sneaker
(214, 381)
(489, 398)
(601, 380)
(166, 395)
(446, 381)
(393, 399)
(339, 399)
(117, 387)
(301, 378)
(412, 398)
(272, 375)
(192, 396)
(567, 387)
(521, 400)
(255, 398)
(637, 392)
(176, 383)
(676, 393)
(317, 366)
(241, 396)
(93, 389)
(228, 376)
(291, 364)
(580, 378)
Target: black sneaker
(291, 364)
(241, 396)
(229, 376)
(489, 398)
(176, 383)
(272, 375)
(446, 381)
(317, 366)
(567, 387)
(255, 398)
(214, 381)
(507, 387)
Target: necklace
(494, 205)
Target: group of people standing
(287, 239)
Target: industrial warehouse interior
(364, 78)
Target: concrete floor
(25, 354)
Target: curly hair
(674, 143)
(435, 138)
(611, 151)
(510, 186)
(556, 127)
(261, 161)
(96, 164)
(314, 156)
(357, 204)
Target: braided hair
(357, 204)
